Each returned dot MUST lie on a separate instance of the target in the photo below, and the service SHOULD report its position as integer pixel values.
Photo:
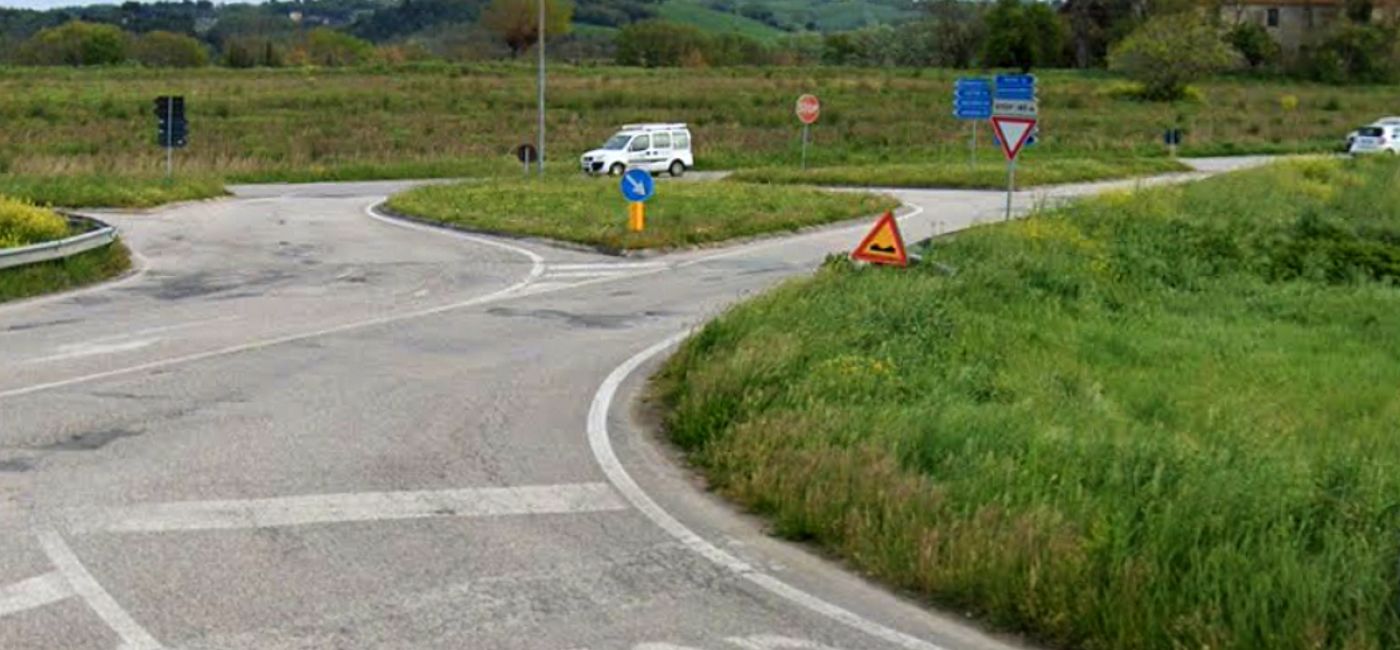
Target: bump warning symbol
(884, 244)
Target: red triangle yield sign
(1012, 133)
(884, 244)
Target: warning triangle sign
(1012, 133)
(884, 244)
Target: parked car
(651, 147)
(1384, 121)
(1376, 139)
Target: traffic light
(172, 131)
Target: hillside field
(439, 120)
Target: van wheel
(677, 169)
(617, 169)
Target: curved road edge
(613, 406)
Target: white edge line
(600, 441)
(34, 593)
(133, 636)
(536, 270)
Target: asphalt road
(302, 426)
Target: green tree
(1169, 52)
(168, 50)
(1022, 35)
(330, 48)
(1355, 53)
(517, 22)
(657, 43)
(76, 43)
(1253, 42)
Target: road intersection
(308, 425)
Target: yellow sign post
(636, 216)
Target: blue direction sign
(638, 186)
(1020, 87)
(972, 98)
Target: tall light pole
(541, 48)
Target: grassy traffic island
(23, 224)
(591, 211)
(954, 174)
(1155, 421)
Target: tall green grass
(1158, 421)
(986, 174)
(77, 271)
(115, 190)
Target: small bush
(23, 223)
(1169, 52)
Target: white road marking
(34, 592)
(552, 275)
(341, 508)
(607, 266)
(90, 349)
(773, 642)
(133, 636)
(600, 441)
(536, 269)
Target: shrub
(23, 223)
(168, 50)
(1022, 35)
(330, 48)
(76, 43)
(656, 43)
(1356, 54)
(1169, 52)
(1253, 43)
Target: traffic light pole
(169, 138)
(542, 80)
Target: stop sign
(809, 108)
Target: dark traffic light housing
(172, 131)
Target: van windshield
(617, 142)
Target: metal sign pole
(806, 136)
(972, 156)
(1010, 185)
(540, 153)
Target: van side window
(661, 141)
(683, 141)
(641, 143)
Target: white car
(650, 147)
(1384, 121)
(1379, 138)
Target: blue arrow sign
(638, 186)
(972, 98)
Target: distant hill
(764, 19)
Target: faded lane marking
(79, 350)
(341, 508)
(34, 592)
(133, 636)
(600, 441)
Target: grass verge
(108, 191)
(592, 212)
(61, 275)
(985, 175)
(1156, 421)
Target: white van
(651, 147)
(1376, 138)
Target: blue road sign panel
(638, 186)
(972, 98)
(1015, 81)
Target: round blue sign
(638, 186)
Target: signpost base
(637, 216)
(1010, 186)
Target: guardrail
(98, 235)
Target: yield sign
(1012, 132)
(884, 244)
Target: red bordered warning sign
(1012, 133)
(884, 244)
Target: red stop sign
(809, 108)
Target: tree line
(1164, 43)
